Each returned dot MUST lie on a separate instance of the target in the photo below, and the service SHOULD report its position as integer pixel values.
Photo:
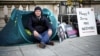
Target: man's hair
(38, 8)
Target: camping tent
(16, 32)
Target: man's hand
(49, 32)
(35, 33)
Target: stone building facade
(6, 6)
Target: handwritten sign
(86, 21)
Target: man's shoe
(51, 43)
(42, 45)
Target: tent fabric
(16, 32)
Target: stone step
(2, 23)
(1, 29)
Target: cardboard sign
(86, 21)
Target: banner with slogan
(86, 21)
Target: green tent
(16, 32)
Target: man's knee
(49, 32)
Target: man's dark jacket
(40, 25)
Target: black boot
(42, 45)
(50, 43)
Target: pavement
(80, 46)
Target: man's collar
(39, 17)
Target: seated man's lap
(43, 37)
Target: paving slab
(94, 53)
(93, 39)
(10, 51)
(9, 48)
(85, 45)
(30, 50)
